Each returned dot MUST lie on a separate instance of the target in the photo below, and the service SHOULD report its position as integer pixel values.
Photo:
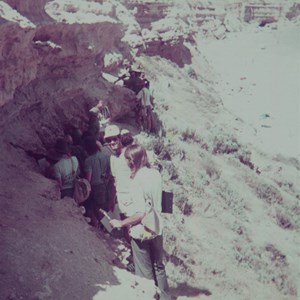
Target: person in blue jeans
(145, 194)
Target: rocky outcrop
(173, 50)
(31, 9)
(51, 75)
(146, 13)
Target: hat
(111, 130)
(124, 131)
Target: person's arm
(139, 96)
(88, 176)
(76, 165)
(57, 175)
(87, 170)
(99, 145)
(137, 197)
(133, 220)
(58, 179)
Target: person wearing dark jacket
(96, 170)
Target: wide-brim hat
(124, 131)
(111, 130)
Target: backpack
(82, 189)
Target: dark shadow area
(183, 289)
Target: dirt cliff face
(33, 10)
(50, 76)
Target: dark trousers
(67, 193)
(148, 263)
(97, 199)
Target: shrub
(211, 170)
(184, 206)
(283, 221)
(172, 170)
(161, 150)
(225, 144)
(190, 135)
(244, 157)
(268, 193)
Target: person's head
(134, 73)
(52, 156)
(126, 138)
(61, 147)
(136, 157)
(112, 138)
(90, 145)
(76, 136)
(100, 104)
(69, 139)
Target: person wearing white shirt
(145, 194)
(144, 96)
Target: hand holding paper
(115, 223)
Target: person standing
(99, 118)
(97, 171)
(66, 169)
(144, 97)
(119, 170)
(145, 194)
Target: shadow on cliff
(48, 251)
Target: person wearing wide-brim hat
(65, 170)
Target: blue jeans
(148, 263)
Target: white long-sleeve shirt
(145, 191)
(144, 96)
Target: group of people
(136, 81)
(120, 174)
